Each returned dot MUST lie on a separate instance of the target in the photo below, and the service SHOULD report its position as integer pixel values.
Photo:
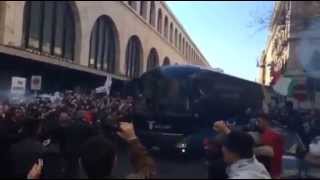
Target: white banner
(36, 83)
(108, 84)
(18, 85)
(106, 87)
(101, 89)
(282, 86)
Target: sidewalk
(290, 167)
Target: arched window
(166, 61)
(193, 55)
(49, 27)
(171, 32)
(133, 57)
(159, 21)
(187, 52)
(1, 18)
(176, 37)
(179, 43)
(102, 54)
(191, 61)
(143, 9)
(196, 58)
(190, 54)
(166, 28)
(152, 15)
(183, 46)
(153, 59)
(133, 4)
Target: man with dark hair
(2, 112)
(240, 144)
(216, 165)
(11, 132)
(98, 156)
(293, 118)
(272, 139)
(73, 133)
(238, 154)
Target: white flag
(108, 84)
(101, 89)
(282, 86)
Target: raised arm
(143, 164)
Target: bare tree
(260, 18)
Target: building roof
(184, 31)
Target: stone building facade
(293, 49)
(121, 38)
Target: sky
(226, 32)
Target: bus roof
(183, 70)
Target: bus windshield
(167, 95)
(173, 95)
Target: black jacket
(24, 154)
(217, 166)
(10, 133)
(72, 137)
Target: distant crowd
(76, 133)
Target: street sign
(18, 85)
(36, 83)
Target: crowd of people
(304, 126)
(242, 154)
(78, 132)
(46, 139)
(304, 122)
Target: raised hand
(221, 127)
(127, 131)
(36, 170)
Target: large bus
(176, 106)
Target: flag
(106, 87)
(108, 84)
(284, 86)
(101, 89)
(312, 69)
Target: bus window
(173, 96)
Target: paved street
(172, 167)
(189, 169)
(169, 167)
